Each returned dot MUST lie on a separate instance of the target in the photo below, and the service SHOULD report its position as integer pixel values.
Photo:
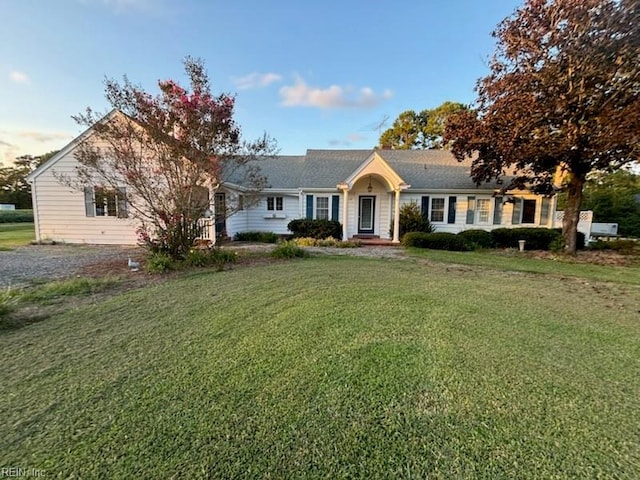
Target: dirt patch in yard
(593, 257)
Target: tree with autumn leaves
(562, 100)
(170, 151)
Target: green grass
(15, 234)
(58, 289)
(517, 262)
(19, 306)
(332, 368)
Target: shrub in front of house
(319, 229)
(437, 241)
(159, 262)
(349, 244)
(289, 249)
(535, 238)
(261, 237)
(305, 241)
(480, 238)
(334, 242)
(412, 220)
(325, 242)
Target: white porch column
(396, 217)
(345, 213)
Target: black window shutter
(425, 207)
(309, 207)
(122, 203)
(89, 208)
(517, 207)
(451, 216)
(497, 211)
(545, 210)
(335, 207)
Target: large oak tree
(562, 97)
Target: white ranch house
(362, 189)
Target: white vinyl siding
(62, 213)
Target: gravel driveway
(47, 262)
(25, 264)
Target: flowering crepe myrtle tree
(171, 151)
(562, 100)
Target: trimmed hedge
(262, 237)
(481, 238)
(535, 238)
(437, 241)
(315, 228)
(16, 216)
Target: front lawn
(16, 234)
(512, 260)
(334, 368)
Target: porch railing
(205, 229)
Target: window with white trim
(483, 209)
(105, 202)
(437, 210)
(322, 208)
(275, 204)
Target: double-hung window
(275, 204)
(483, 206)
(437, 210)
(105, 202)
(322, 208)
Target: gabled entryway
(370, 193)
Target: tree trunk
(572, 213)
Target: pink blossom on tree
(171, 151)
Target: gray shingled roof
(422, 169)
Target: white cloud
(348, 141)
(29, 142)
(43, 137)
(19, 77)
(302, 95)
(255, 80)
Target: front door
(366, 214)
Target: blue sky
(320, 74)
